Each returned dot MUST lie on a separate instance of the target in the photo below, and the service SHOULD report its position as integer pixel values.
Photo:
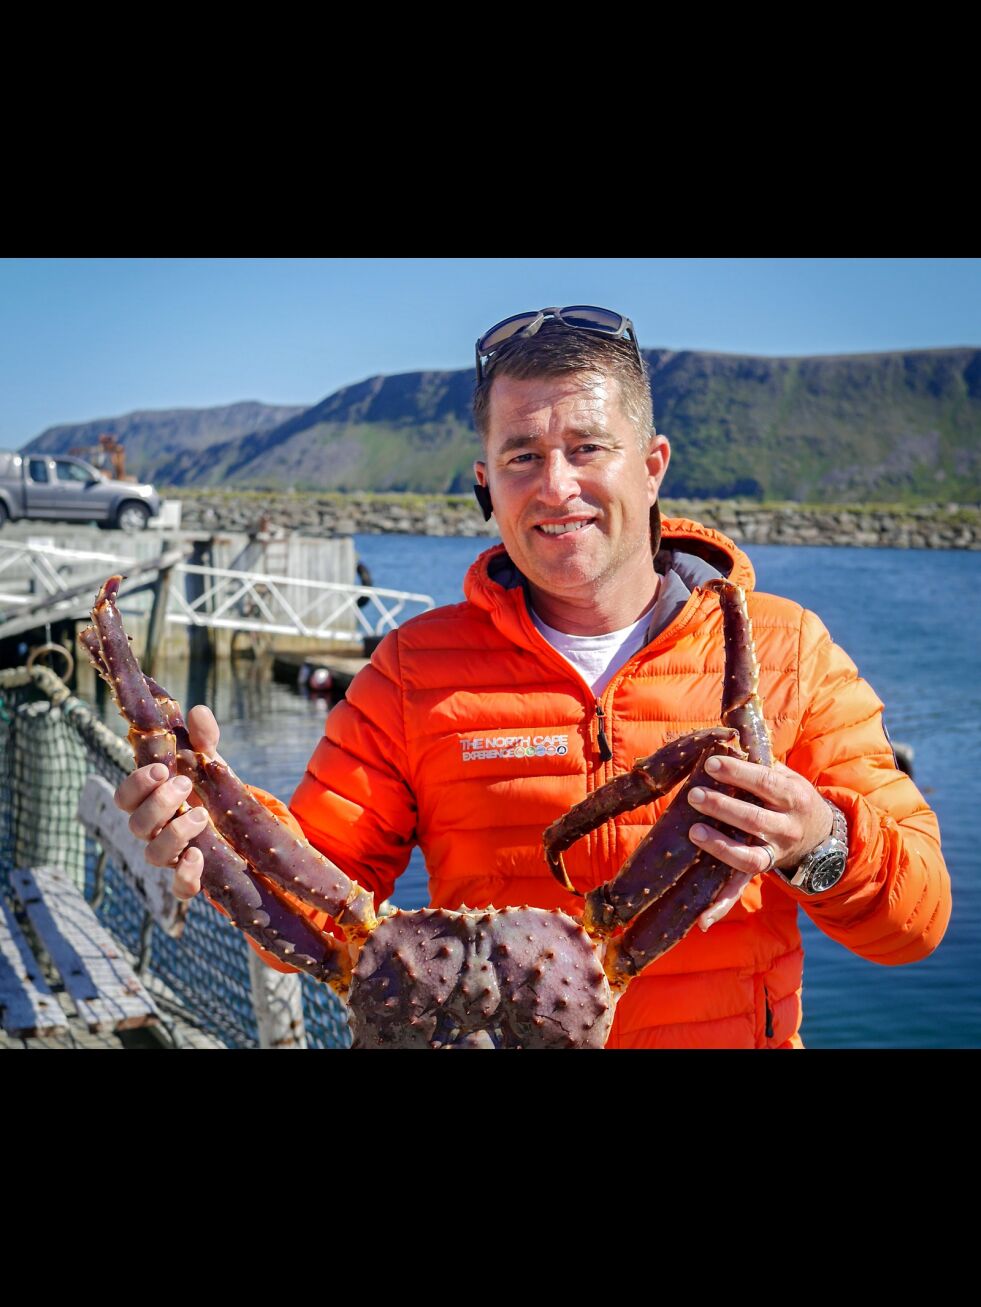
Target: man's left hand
(792, 819)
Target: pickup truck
(70, 490)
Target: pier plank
(27, 1005)
(104, 987)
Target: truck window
(70, 472)
(38, 468)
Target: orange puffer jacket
(469, 734)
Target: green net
(50, 741)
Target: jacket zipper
(768, 1032)
(605, 752)
(673, 630)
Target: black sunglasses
(581, 317)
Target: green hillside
(897, 427)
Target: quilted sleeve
(893, 903)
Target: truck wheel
(132, 516)
(3, 514)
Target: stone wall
(931, 526)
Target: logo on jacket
(484, 748)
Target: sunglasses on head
(581, 317)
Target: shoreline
(924, 526)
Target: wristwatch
(824, 866)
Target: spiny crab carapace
(516, 977)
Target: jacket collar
(686, 548)
(690, 554)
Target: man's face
(572, 491)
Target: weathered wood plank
(105, 989)
(27, 1005)
(109, 826)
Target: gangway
(50, 592)
(285, 605)
(58, 583)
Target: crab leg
(668, 882)
(155, 720)
(291, 863)
(662, 857)
(666, 922)
(669, 918)
(666, 853)
(252, 905)
(648, 779)
(287, 930)
(741, 707)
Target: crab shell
(508, 978)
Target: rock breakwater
(926, 526)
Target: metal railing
(284, 605)
(60, 583)
(38, 566)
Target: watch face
(826, 871)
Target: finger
(729, 897)
(187, 876)
(749, 817)
(203, 730)
(139, 785)
(749, 858)
(774, 787)
(164, 849)
(159, 807)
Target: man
(586, 641)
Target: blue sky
(88, 338)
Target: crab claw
(648, 779)
(663, 856)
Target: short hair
(556, 349)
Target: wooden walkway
(175, 1030)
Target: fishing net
(50, 741)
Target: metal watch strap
(839, 823)
(831, 855)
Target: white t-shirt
(597, 658)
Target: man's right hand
(153, 800)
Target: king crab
(487, 978)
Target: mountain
(387, 433)
(832, 428)
(888, 427)
(168, 435)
